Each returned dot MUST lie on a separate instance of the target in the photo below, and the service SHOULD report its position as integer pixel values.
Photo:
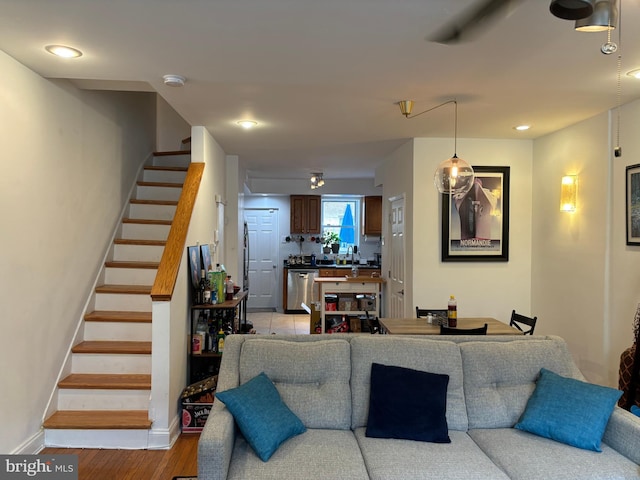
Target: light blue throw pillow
(569, 410)
(635, 410)
(263, 418)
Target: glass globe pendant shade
(454, 176)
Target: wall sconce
(569, 193)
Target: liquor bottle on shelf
(220, 342)
(201, 288)
(229, 288)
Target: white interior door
(262, 225)
(396, 261)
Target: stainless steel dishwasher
(299, 289)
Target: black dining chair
(518, 320)
(463, 331)
(424, 312)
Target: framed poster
(194, 265)
(633, 204)
(475, 225)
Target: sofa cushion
(388, 459)
(312, 377)
(499, 377)
(436, 356)
(264, 420)
(317, 453)
(524, 456)
(569, 410)
(408, 404)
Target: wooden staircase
(104, 401)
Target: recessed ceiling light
(522, 128)
(174, 80)
(63, 51)
(247, 124)
(634, 73)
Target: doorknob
(401, 292)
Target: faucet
(354, 268)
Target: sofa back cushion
(499, 377)
(311, 377)
(434, 356)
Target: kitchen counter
(349, 279)
(306, 266)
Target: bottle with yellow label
(220, 341)
(452, 312)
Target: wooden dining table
(420, 326)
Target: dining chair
(424, 312)
(518, 320)
(463, 331)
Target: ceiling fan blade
(472, 21)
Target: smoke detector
(174, 80)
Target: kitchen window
(341, 214)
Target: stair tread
(113, 347)
(107, 381)
(98, 419)
(146, 221)
(135, 241)
(118, 316)
(131, 289)
(172, 152)
(132, 264)
(160, 184)
(140, 201)
(168, 169)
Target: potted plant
(330, 242)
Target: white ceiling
(322, 76)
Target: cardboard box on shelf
(197, 400)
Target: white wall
(70, 158)
(482, 289)
(396, 175)
(171, 128)
(585, 279)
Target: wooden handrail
(162, 289)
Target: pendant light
(571, 9)
(454, 175)
(604, 17)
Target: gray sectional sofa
(325, 381)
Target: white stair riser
(130, 276)
(139, 253)
(152, 212)
(173, 160)
(110, 363)
(126, 331)
(117, 301)
(98, 399)
(140, 231)
(112, 439)
(164, 176)
(158, 193)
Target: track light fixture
(316, 180)
(453, 176)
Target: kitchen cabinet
(348, 299)
(305, 213)
(373, 215)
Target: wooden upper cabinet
(373, 215)
(305, 213)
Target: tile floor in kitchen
(274, 322)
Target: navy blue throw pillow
(408, 404)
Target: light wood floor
(136, 464)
